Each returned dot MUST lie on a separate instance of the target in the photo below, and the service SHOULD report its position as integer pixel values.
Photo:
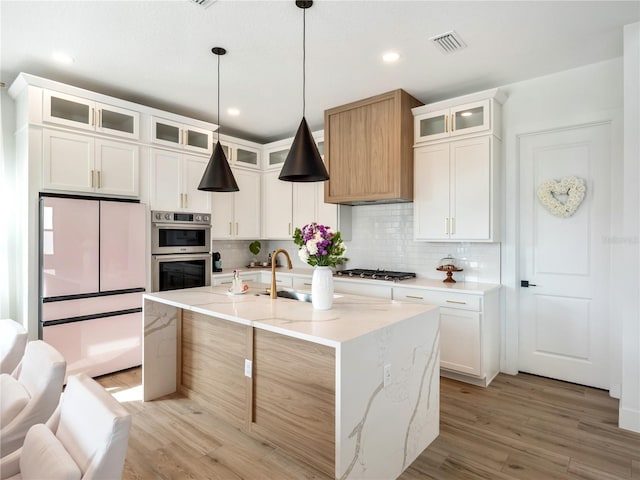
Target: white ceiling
(158, 53)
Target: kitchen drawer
(301, 283)
(282, 281)
(442, 299)
(365, 288)
(227, 279)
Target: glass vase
(322, 288)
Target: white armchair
(30, 394)
(13, 340)
(86, 438)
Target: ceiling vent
(448, 42)
(203, 3)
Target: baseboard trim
(629, 419)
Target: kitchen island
(353, 391)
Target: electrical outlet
(387, 374)
(247, 367)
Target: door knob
(526, 284)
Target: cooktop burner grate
(376, 274)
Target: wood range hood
(369, 150)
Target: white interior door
(564, 313)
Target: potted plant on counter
(254, 248)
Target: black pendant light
(303, 163)
(218, 176)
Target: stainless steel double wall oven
(180, 248)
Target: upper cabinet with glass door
(78, 112)
(472, 114)
(240, 153)
(180, 135)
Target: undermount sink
(292, 294)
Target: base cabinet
(469, 331)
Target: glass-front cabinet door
(277, 157)
(78, 112)
(117, 121)
(460, 120)
(469, 118)
(247, 156)
(174, 134)
(432, 125)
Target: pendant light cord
(218, 120)
(304, 60)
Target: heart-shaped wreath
(549, 191)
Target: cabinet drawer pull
(228, 281)
(446, 123)
(181, 200)
(307, 284)
(99, 179)
(230, 231)
(99, 118)
(91, 117)
(446, 226)
(414, 296)
(452, 125)
(92, 179)
(453, 225)
(455, 301)
(289, 228)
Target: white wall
(583, 95)
(382, 237)
(7, 212)
(629, 246)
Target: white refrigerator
(92, 276)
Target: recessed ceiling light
(62, 58)
(233, 111)
(390, 57)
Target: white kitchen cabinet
(469, 331)
(180, 135)
(366, 289)
(236, 215)
(306, 204)
(277, 207)
(240, 153)
(78, 112)
(227, 278)
(459, 120)
(455, 191)
(82, 163)
(175, 178)
(283, 280)
(475, 114)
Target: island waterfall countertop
(353, 391)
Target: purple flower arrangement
(319, 245)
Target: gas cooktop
(376, 274)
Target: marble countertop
(438, 285)
(351, 316)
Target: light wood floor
(521, 427)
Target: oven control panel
(181, 217)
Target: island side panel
(213, 357)
(381, 430)
(159, 349)
(294, 397)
